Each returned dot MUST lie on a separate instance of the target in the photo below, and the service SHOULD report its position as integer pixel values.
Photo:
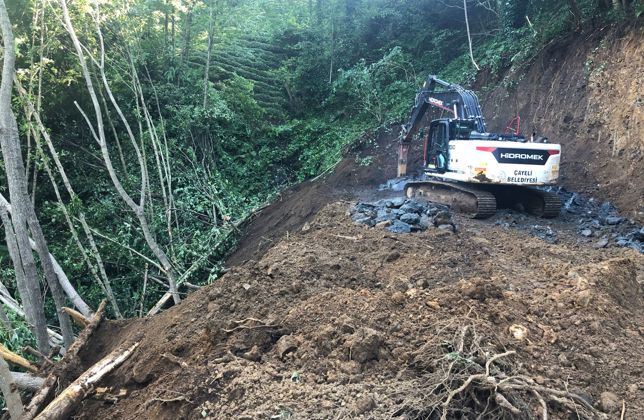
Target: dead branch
(17, 360)
(40, 399)
(43, 360)
(86, 333)
(68, 400)
(241, 326)
(166, 400)
(77, 317)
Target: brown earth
(587, 93)
(339, 320)
(321, 318)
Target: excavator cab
(467, 167)
(441, 131)
(436, 146)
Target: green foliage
(374, 91)
(19, 336)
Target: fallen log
(43, 396)
(27, 381)
(157, 307)
(15, 359)
(67, 401)
(86, 333)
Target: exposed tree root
(464, 378)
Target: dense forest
(147, 131)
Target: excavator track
(544, 204)
(474, 202)
(481, 201)
(527, 199)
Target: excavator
(471, 170)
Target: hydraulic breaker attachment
(403, 152)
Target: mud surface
(342, 320)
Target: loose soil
(340, 321)
(319, 317)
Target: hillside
(321, 318)
(585, 91)
(228, 169)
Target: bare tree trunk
(469, 36)
(16, 227)
(205, 77)
(332, 50)
(50, 275)
(166, 20)
(99, 134)
(102, 280)
(187, 35)
(24, 208)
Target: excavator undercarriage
(482, 201)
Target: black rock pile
(601, 222)
(402, 215)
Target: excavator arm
(462, 103)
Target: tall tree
(23, 214)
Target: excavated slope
(587, 93)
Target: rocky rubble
(601, 222)
(402, 215)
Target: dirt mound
(342, 320)
(585, 92)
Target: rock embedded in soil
(286, 344)
(364, 405)
(383, 224)
(364, 345)
(609, 402)
(602, 243)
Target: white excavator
(471, 170)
